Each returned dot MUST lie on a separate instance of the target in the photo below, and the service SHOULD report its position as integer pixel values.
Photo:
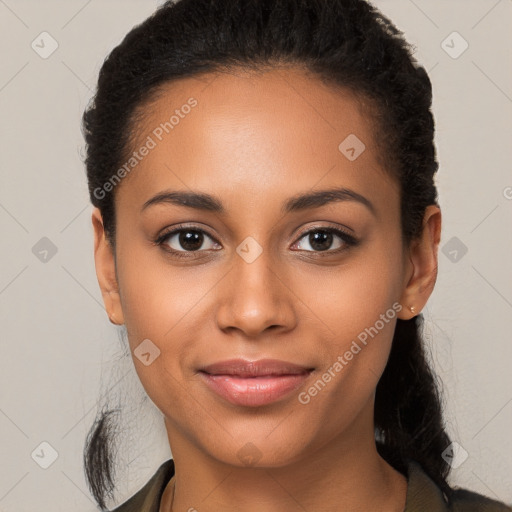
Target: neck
(338, 472)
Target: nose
(255, 297)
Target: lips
(261, 368)
(254, 383)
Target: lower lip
(254, 391)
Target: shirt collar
(422, 492)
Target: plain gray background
(59, 351)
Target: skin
(254, 141)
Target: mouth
(254, 383)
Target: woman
(267, 229)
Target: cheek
(357, 304)
(170, 306)
(160, 304)
(351, 297)
(157, 299)
(354, 358)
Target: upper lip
(262, 367)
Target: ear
(422, 265)
(106, 270)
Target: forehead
(277, 131)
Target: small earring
(413, 309)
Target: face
(254, 272)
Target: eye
(181, 240)
(184, 240)
(320, 239)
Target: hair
(346, 43)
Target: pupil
(191, 240)
(320, 240)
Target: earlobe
(106, 270)
(423, 254)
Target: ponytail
(408, 412)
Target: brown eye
(184, 240)
(321, 240)
(190, 240)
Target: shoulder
(464, 500)
(423, 494)
(147, 499)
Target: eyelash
(348, 239)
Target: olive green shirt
(423, 495)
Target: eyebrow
(207, 202)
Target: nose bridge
(255, 267)
(254, 297)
